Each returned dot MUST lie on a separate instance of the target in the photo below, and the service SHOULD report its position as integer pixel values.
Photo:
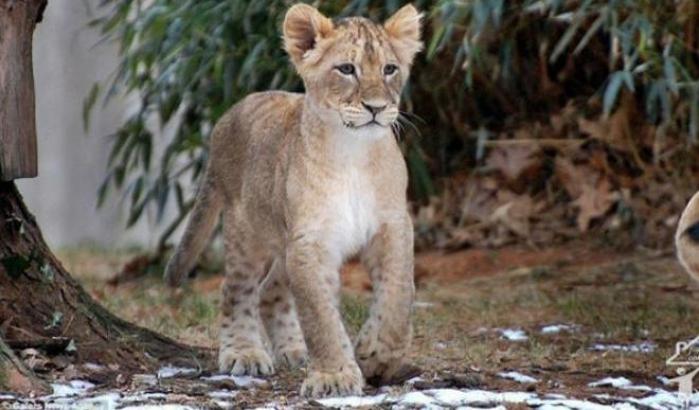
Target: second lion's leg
(278, 311)
(241, 349)
(383, 342)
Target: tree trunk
(18, 157)
(41, 305)
(40, 302)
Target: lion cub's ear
(303, 27)
(404, 28)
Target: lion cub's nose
(374, 107)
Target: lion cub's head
(353, 68)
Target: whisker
(413, 115)
(396, 131)
(405, 121)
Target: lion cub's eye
(346, 69)
(389, 69)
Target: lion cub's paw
(250, 362)
(292, 358)
(379, 361)
(347, 382)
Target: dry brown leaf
(479, 200)
(569, 175)
(594, 202)
(590, 190)
(515, 215)
(512, 161)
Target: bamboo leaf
(611, 92)
(88, 104)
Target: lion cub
(304, 181)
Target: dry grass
(629, 300)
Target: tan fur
(303, 182)
(688, 248)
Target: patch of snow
(619, 383)
(452, 397)
(352, 401)
(516, 397)
(518, 377)
(612, 382)
(423, 304)
(222, 394)
(6, 397)
(413, 380)
(437, 399)
(415, 398)
(554, 396)
(643, 347)
(514, 335)
(553, 329)
(624, 406)
(93, 366)
(440, 345)
(384, 389)
(241, 381)
(639, 387)
(478, 408)
(106, 401)
(572, 404)
(664, 380)
(172, 371)
(144, 397)
(73, 388)
(663, 399)
(159, 407)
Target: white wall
(72, 162)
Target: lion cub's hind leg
(278, 312)
(241, 349)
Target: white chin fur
(368, 131)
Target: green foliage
(488, 65)
(508, 52)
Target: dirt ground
(565, 317)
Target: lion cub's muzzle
(370, 113)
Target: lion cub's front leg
(332, 369)
(383, 342)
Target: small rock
(431, 384)
(465, 380)
(144, 380)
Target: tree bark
(18, 156)
(40, 303)
(39, 300)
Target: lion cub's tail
(200, 226)
(687, 237)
